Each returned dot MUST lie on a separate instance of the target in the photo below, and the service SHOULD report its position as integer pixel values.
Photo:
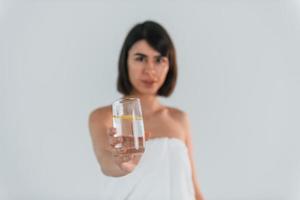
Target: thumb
(147, 135)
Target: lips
(148, 83)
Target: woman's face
(147, 68)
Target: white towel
(163, 173)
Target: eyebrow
(143, 55)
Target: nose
(149, 67)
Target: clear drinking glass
(128, 121)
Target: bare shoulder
(177, 113)
(99, 120)
(179, 116)
(100, 116)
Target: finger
(128, 167)
(147, 135)
(111, 131)
(123, 158)
(113, 141)
(118, 151)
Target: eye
(159, 60)
(140, 58)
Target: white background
(239, 78)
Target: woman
(147, 69)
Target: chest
(162, 126)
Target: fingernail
(121, 150)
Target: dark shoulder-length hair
(158, 38)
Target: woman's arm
(99, 121)
(189, 144)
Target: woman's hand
(123, 158)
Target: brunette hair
(158, 38)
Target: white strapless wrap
(163, 173)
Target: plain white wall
(239, 81)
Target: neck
(149, 103)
